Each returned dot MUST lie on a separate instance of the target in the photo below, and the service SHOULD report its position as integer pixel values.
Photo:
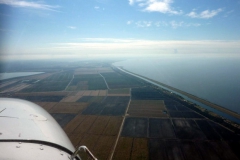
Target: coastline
(205, 102)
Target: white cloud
(129, 22)
(143, 24)
(72, 27)
(205, 14)
(96, 7)
(104, 40)
(26, 4)
(161, 24)
(131, 2)
(173, 24)
(192, 24)
(162, 6)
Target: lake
(211, 77)
(4, 76)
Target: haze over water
(213, 78)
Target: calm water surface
(9, 75)
(214, 78)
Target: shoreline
(205, 102)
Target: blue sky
(79, 28)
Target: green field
(87, 82)
(116, 80)
(56, 82)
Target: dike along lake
(211, 77)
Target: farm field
(147, 108)
(98, 133)
(116, 81)
(87, 82)
(55, 82)
(114, 106)
(119, 92)
(147, 94)
(41, 98)
(15, 88)
(95, 70)
(118, 117)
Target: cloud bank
(110, 47)
(27, 4)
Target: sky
(111, 28)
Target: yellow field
(147, 108)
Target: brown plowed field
(102, 93)
(99, 125)
(74, 123)
(46, 105)
(15, 88)
(140, 149)
(68, 99)
(79, 93)
(94, 93)
(87, 93)
(89, 140)
(113, 126)
(104, 125)
(104, 147)
(98, 133)
(71, 98)
(75, 139)
(85, 125)
(40, 103)
(123, 150)
(49, 105)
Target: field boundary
(69, 83)
(104, 80)
(121, 127)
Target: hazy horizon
(106, 28)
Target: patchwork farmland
(120, 117)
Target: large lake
(213, 78)
(9, 75)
